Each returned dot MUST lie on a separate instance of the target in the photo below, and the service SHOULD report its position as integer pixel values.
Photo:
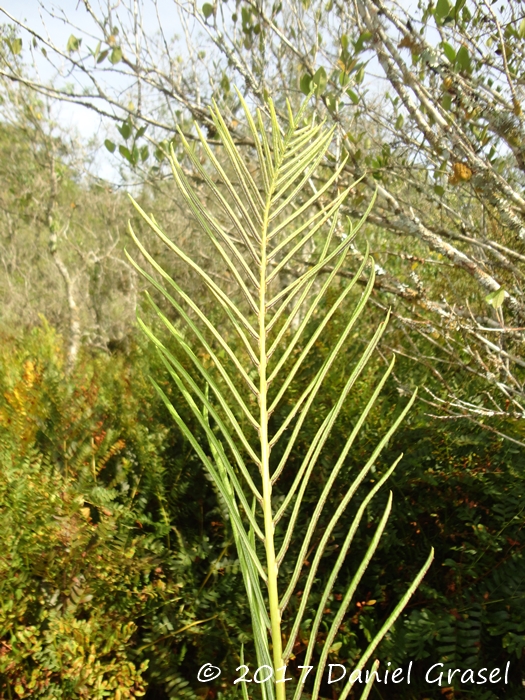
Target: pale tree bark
(74, 327)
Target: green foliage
(462, 492)
(478, 518)
(70, 587)
(111, 575)
(116, 55)
(73, 43)
(250, 365)
(459, 490)
(207, 10)
(496, 299)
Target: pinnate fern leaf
(273, 222)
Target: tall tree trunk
(73, 313)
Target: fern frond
(274, 228)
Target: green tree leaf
(351, 94)
(125, 153)
(225, 83)
(319, 80)
(15, 45)
(360, 74)
(125, 130)
(95, 53)
(207, 10)
(463, 59)
(442, 9)
(448, 51)
(305, 84)
(73, 43)
(110, 145)
(116, 55)
(496, 298)
(363, 38)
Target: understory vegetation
(118, 573)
